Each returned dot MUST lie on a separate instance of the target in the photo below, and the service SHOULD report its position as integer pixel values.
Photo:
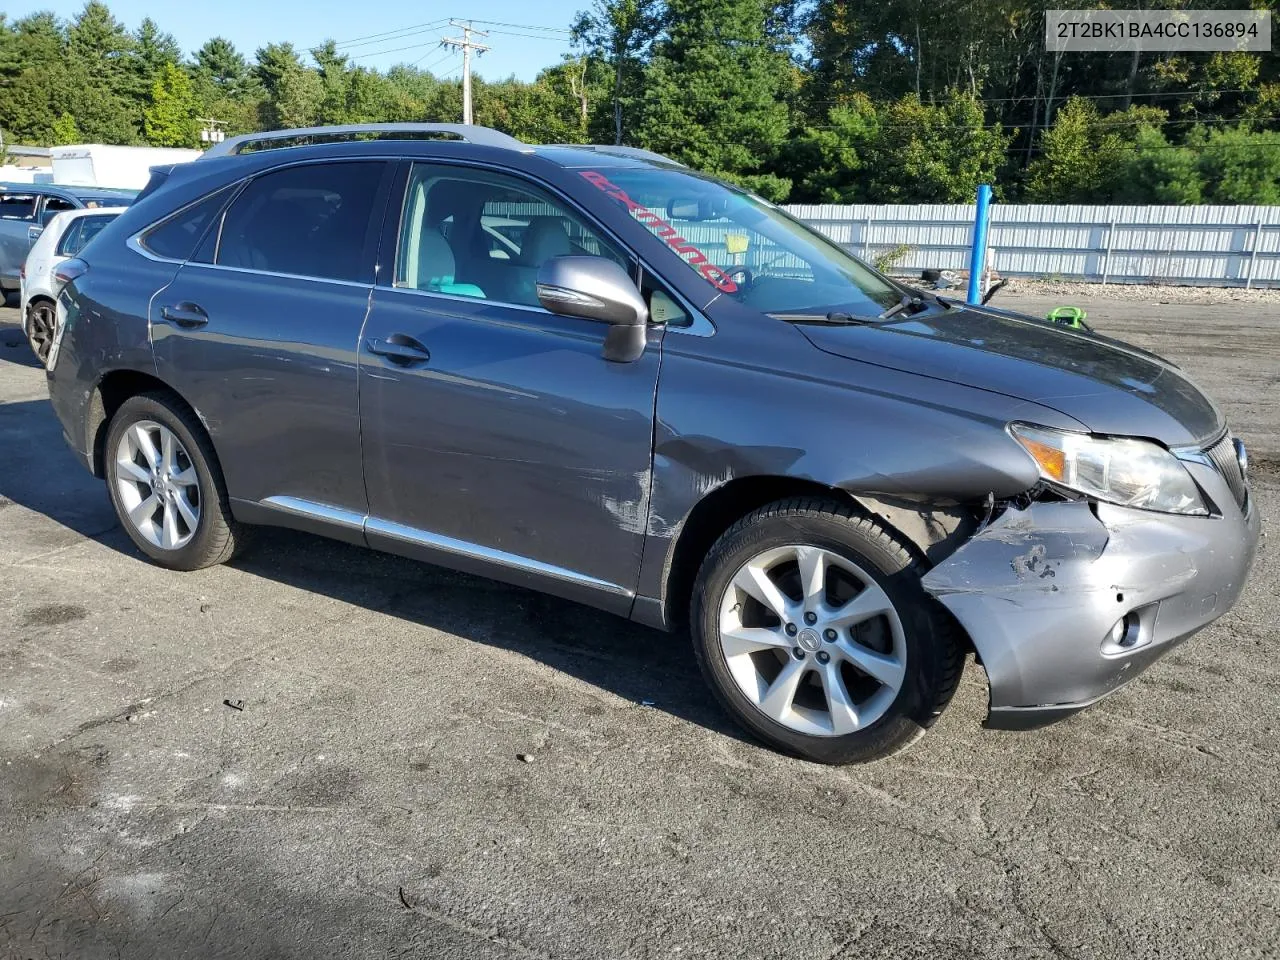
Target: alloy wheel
(812, 640)
(157, 485)
(42, 322)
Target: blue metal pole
(981, 221)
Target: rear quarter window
(80, 233)
(69, 243)
(175, 237)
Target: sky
(379, 34)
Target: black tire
(934, 653)
(217, 536)
(40, 325)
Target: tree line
(840, 101)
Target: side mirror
(33, 234)
(595, 288)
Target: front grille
(1223, 455)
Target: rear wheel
(41, 325)
(166, 486)
(810, 624)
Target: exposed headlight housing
(1131, 473)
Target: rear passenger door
(259, 329)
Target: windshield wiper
(836, 318)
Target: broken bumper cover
(1040, 591)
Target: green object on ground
(1069, 317)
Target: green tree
(715, 92)
(169, 120)
(1240, 166)
(220, 64)
(1083, 156)
(35, 41)
(99, 44)
(933, 153)
(293, 93)
(619, 34)
(1160, 172)
(64, 131)
(829, 164)
(332, 105)
(151, 50)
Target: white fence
(1204, 246)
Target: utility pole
(466, 45)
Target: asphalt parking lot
(363, 798)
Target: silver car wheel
(157, 486)
(42, 324)
(812, 640)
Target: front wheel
(810, 624)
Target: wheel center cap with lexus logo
(809, 641)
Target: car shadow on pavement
(636, 663)
(15, 349)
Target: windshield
(745, 247)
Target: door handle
(399, 348)
(184, 314)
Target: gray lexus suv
(592, 372)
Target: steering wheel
(740, 275)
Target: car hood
(1109, 386)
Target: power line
(388, 33)
(528, 36)
(448, 55)
(524, 26)
(399, 36)
(378, 53)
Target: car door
(43, 257)
(18, 209)
(258, 330)
(496, 437)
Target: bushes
(1125, 157)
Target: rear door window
(17, 206)
(313, 220)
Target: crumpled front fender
(1040, 589)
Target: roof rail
(481, 136)
(619, 150)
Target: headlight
(1132, 473)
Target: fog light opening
(1125, 635)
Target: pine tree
(715, 93)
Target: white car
(63, 238)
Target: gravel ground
(1069, 291)
(362, 796)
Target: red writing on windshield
(666, 232)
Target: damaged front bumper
(1042, 590)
